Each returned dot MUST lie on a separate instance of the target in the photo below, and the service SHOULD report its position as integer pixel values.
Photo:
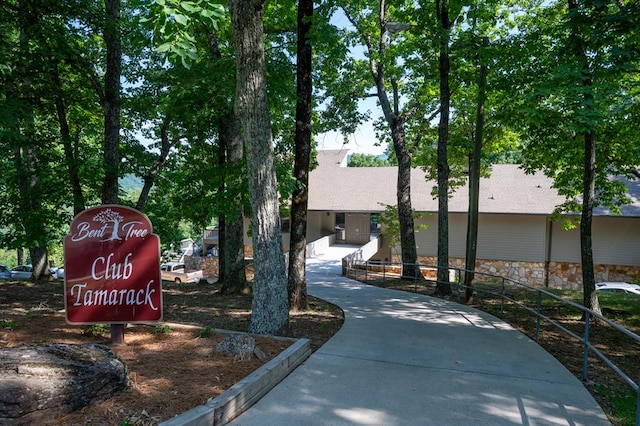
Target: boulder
(39, 383)
(240, 346)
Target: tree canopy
(561, 96)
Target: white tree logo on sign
(106, 216)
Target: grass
(96, 330)
(616, 397)
(163, 329)
(7, 324)
(205, 332)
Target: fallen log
(39, 383)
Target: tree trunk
(231, 266)
(41, 383)
(589, 173)
(144, 192)
(26, 162)
(474, 182)
(166, 143)
(297, 285)
(222, 215)
(586, 220)
(234, 279)
(410, 268)
(443, 287)
(70, 153)
(111, 112)
(111, 102)
(396, 122)
(30, 206)
(270, 308)
(20, 256)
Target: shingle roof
(335, 187)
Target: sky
(362, 141)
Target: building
(516, 236)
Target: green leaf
(192, 54)
(190, 7)
(185, 45)
(164, 47)
(181, 19)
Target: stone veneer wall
(209, 265)
(561, 275)
(569, 275)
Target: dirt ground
(173, 366)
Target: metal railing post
(384, 274)
(585, 356)
(538, 312)
(457, 287)
(638, 405)
(502, 299)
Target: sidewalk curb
(246, 392)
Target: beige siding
(314, 225)
(565, 244)
(616, 241)
(500, 237)
(507, 237)
(427, 239)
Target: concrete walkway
(407, 359)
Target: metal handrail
(361, 265)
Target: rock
(241, 346)
(39, 383)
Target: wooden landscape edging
(238, 398)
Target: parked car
(174, 271)
(58, 273)
(22, 272)
(619, 287)
(4, 272)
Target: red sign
(112, 268)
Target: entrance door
(358, 228)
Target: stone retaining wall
(561, 275)
(209, 265)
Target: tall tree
(442, 14)
(69, 144)
(270, 308)
(580, 50)
(29, 177)
(110, 101)
(474, 178)
(575, 99)
(374, 28)
(297, 286)
(234, 276)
